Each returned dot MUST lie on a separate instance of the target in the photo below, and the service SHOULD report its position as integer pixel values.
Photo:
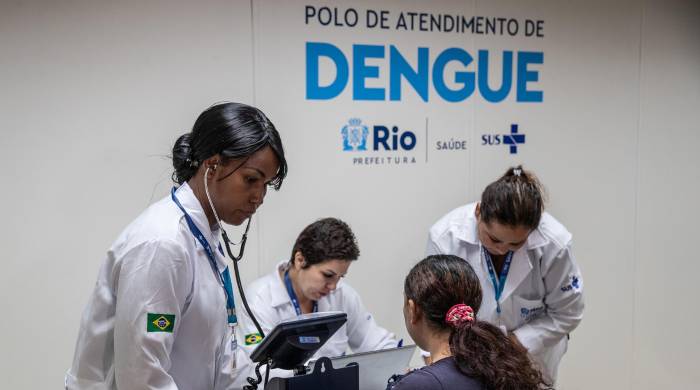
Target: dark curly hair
(480, 349)
(326, 239)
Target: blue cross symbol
(513, 139)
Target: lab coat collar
(191, 204)
(468, 231)
(278, 290)
(521, 265)
(535, 239)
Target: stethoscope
(224, 236)
(228, 243)
(230, 305)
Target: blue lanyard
(293, 295)
(500, 283)
(225, 276)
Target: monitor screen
(292, 342)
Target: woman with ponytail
(442, 297)
(533, 290)
(162, 314)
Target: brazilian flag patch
(160, 322)
(253, 338)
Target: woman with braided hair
(442, 296)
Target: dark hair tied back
(182, 159)
(515, 199)
(442, 284)
(232, 130)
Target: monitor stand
(323, 377)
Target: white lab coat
(157, 266)
(270, 302)
(542, 301)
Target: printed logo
(574, 284)
(160, 322)
(253, 338)
(378, 144)
(354, 135)
(513, 139)
(527, 313)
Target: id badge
(234, 346)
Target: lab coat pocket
(527, 309)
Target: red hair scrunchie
(459, 314)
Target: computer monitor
(292, 342)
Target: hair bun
(183, 161)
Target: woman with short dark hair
(310, 281)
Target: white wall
(95, 93)
(665, 268)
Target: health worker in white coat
(310, 282)
(532, 287)
(162, 314)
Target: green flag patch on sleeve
(253, 338)
(160, 322)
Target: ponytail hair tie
(192, 163)
(459, 314)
